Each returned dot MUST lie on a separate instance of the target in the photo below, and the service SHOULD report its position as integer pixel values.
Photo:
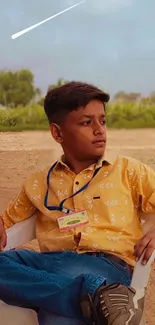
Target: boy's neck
(78, 166)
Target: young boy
(87, 220)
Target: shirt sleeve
(18, 210)
(145, 188)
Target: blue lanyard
(61, 206)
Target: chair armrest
(141, 273)
(21, 233)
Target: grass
(119, 115)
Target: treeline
(17, 89)
(21, 105)
(125, 115)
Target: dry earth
(22, 153)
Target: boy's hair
(62, 100)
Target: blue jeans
(55, 281)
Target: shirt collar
(107, 159)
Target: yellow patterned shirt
(111, 200)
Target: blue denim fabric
(55, 282)
(46, 318)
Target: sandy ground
(22, 153)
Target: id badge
(73, 220)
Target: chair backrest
(21, 233)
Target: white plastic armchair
(23, 232)
(19, 234)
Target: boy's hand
(3, 237)
(147, 244)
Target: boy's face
(83, 133)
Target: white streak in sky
(24, 31)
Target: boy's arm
(18, 210)
(145, 189)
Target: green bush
(119, 115)
(22, 119)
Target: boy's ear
(56, 132)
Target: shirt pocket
(114, 212)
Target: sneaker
(114, 305)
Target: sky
(110, 43)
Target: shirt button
(77, 183)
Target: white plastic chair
(22, 233)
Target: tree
(122, 96)
(37, 96)
(152, 97)
(41, 101)
(59, 83)
(17, 88)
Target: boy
(87, 220)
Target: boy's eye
(86, 122)
(103, 122)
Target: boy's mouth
(100, 143)
(100, 140)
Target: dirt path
(22, 153)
